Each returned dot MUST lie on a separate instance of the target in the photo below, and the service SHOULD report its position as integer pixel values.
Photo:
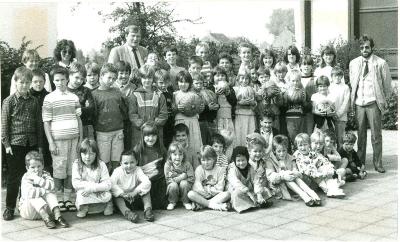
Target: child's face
(177, 157)
(306, 69)
(197, 84)
(183, 86)
(181, 137)
(75, 80)
(88, 157)
(194, 68)
(207, 163)
(263, 78)
(266, 123)
(268, 61)
(92, 78)
(224, 63)
(337, 79)
(281, 152)
(35, 167)
(241, 161)
(162, 86)
(329, 142)
(291, 57)
(256, 152)
(253, 74)
(317, 145)
(147, 82)
(328, 58)
(303, 147)
(243, 81)
(22, 85)
(219, 77)
(323, 89)
(37, 83)
(202, 52)
(207, 78)
(150, 139)
(281, 75)
(60, 81)
(32, 63)
(219, 148)
(293, 81)
(123, 77)
(347, 146)
(152, 59)
(171, 57)
(245, 54)
(107, 79)
(128, 163)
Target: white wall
(36, 21)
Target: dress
(98, 180)
(245, 119)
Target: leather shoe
(148, 215)
(61, 221)
(8, 214)
(380, 169)
(50, 224)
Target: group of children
(234, 141)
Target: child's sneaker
(82, 212)
(341, 182)
(148, 215)
(131, 216)
(188, 206)
(109, 210)
(218, 206)
(171, 206)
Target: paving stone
(378, 230)
(325, 231)
(388, 222)
(203, 237)
(125, 235)
(152, 229)
(346, 224)
(357, 236)
(175, 235)
(355, 207)
(251, 237)
(75, 234)
(47, 237)
(25, 234)
(224, 222)
(277, 233)
(246, 216)
(298, 226)
(31, 223)
(273, 221)
(307, 237)
(104, 228)
(317, 219)
(201, 228)
(366, 217)
(200, 216)
(7, 227)
(228, 234)
(100, 238)
(251, 227)
(385, 239)
(394, 236)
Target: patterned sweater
(35, 188)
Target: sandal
(61, 205)
(70, 206)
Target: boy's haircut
(174, 146)
(225, 55)
(219, 139)
(246, 74)
(146, 71)
(292, 49)
(349, 137)
(127, 153)
(331, 134)
(61, 46)
(307, 60)
(322, 81)
(197, 76)
(337, 71)
(202, 44)
(244, 45)
(364, 38)
(58, 70)
(240, 150)
(220, 70)
(132, 29)
(194, 59)
(108, 67)
(328, 50)
(267, 53)
(38, 72)
(30, 54)
(280, 67)
(23, 72)
(294, 74)
(171, 48)
(123, 66)
(281, 140)
(207, 152)
(92, 67)
(181, 128)
(161, 74)
(317, 135)
(302, 137)
(75, 67)
(255, 139)
(33, 155)
(185, 77)
(263, 71)
(87, 145)
(267, 113)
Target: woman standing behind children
(91, 181)
(187, 106)
(179, 175)
(150, 154)
(267, 61)
(328, 55)
(292, 58)
(245, 119)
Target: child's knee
(191, 194)
(173, 186)
(184, 184)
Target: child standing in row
(225, 61)
(92, 75)
(91, 181)
(308, 82)
(328, 61)
(171, 56)
(245, 54)
(63, 127)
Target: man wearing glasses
(371, 84)
(130, 52)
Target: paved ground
(368, 213)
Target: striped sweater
(35, 188)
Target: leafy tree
(279, 20)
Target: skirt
(227, 124)
(244, 124)
(93, 198)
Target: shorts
(111, 145)
(67, 154)
(30, 208)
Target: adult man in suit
(131, 52)
(370, 83)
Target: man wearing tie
(131, 52)
(371, 84)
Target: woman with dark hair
(328, 61)
(65, 53)
(268, 59)
(292, 58)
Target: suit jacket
(382, 81)
(124, 53)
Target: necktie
(136, 57)
(365, 69)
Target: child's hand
(260, 198)
(53, 148)
(252, 197)
(213, 106)
(288, 176)
(183, 176)
(9, 151)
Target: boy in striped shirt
(38, 199)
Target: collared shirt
(365, 92)
(21, 122)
